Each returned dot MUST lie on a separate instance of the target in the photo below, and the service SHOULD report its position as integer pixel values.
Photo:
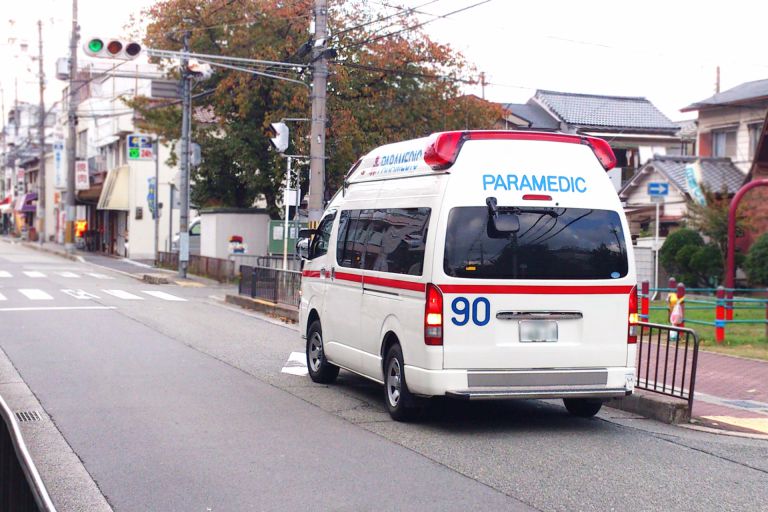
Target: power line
(414, 27)
(379, 20)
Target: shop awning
(114, 193)
(25, 203)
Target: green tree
(756, 263)
(711, 219)
(686, 256)
(388, 82)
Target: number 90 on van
(475, 265)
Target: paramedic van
(475, 265)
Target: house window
(754, 138)
(724, 143)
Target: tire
(320, 370)
(583, 407)
(401, 404)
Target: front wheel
(320, 370)
(400, 403)
(583, 407)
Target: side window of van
(396, 240)
(350, 247)
(319, 245)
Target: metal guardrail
(274, 285)
(665, 352)
(21, 488)
(253, 260)
(214, 268)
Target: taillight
(633, 317)
(433, 316)
(603, 152)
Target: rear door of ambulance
(552, 293)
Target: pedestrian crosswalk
(36, 274)
(8, 295)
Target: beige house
(730, 122)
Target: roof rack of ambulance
(439, 151)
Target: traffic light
(278, 136)
(112, 48)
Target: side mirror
(302, 248)
(307, 233)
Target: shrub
(756, 263)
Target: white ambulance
(475, 265)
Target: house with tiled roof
(686, 175)
(634, 127)
(729, 122)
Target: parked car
(194, 237)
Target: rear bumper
(506, 384)
(500, 394)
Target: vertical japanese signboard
(81, 175)
(60, 177)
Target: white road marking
(34, 273)
(163, 295)
(35, 294)
(67, 274)
(80, 294)
(296, 364)
(59, 308)
(99, 276)
(2, 297)
(5, 273)
(122, 294)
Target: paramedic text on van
(534, 183)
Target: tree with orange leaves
(388, 81)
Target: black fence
(666, 360)
(21, 488)
(274, 285)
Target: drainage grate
(26, 416)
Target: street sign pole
(287, 205)
(656, 250)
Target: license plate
(538, 331)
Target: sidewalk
(731, 393)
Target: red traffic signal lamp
(112, 48)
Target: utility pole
(41, 138)
(317, 96)
(69, 227)
(186, 102)
(482, 83)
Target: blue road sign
(658, 188)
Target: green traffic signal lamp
(95, 45)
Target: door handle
(333, 272)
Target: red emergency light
(443, 149)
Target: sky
(666, 51)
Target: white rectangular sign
(81, 175)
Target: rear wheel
(320, 370)
(583, 407)
(400, 403)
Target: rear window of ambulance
(551, 243)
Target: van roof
(423, 156)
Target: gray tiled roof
(715, 172)
(537, 116)
(745, 91)
(614, 112)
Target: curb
(282, 311)
(43, 248)
(658, 407)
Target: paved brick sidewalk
(732, 392)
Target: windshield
(550, 243)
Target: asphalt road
(178, 402)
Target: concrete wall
(219, 224)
